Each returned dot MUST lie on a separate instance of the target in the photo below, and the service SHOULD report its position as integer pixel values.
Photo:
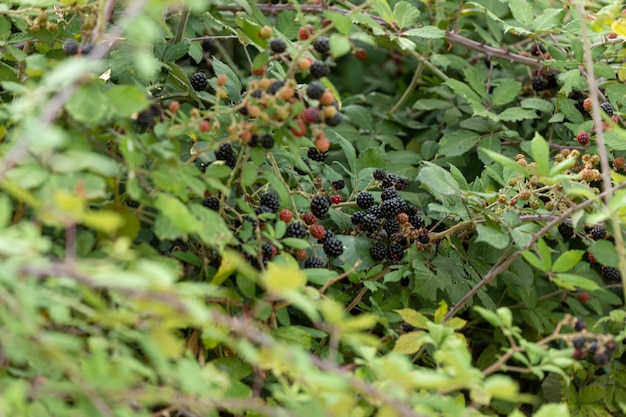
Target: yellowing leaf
(283, 274)
(227, 267)
(619, 27)
(171, 346)
(103, 221)
(414, 318)
(411, 342)
(357, 323)
(71, 204)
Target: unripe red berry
(221, 80)
(285, 215)
(322, 143)
(317, 231)
(360, 54)
(310, 115)
(309, 219)
(300, 254)
(327, 98)
(305, 63)
(300, 130)
(587, 105)
(583, 138)
(336, 199)
(583, 297)
(204, 126)
(258, 71)
(173, 107)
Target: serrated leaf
(475, 81)
(88, 104)
(492, 236)
(339, 45)
(405, 14)
(537, 104)
(570, 80)
(381, 7)
(177, 213)
(410, 343)
(342, 22)
(175, 51)
(548, 20)
(458, 142)
(567, 261)
(541, 154)
(437, 180)
(505, 162)
(126, 99)
(605, 253)
(427, 32)
(517, 114)
(488, 315)
(283, 274)
(522, 11)
(572, 282)
(414, 318)
(507, 91)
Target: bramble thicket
(332, 208)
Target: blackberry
(364, 200)
(212, 203)
(423, 238)
(379, 174)
(70, 47)
(270, 200)
(262, 209)
(597, 233)
(339, 185)
(392, 207)
(276, 85)
(226, 153)
(378, 251)
(593, 348)
(539, 83)
(320, 205)
(579, 99)
(551, 81)
(580, 324)
(357, 218)
(322, 45)
(144, 119)
(267, 141)
(369, 223)
(536, 49)
(87, 48)
(405, 281)
(601, 358)
(395, 252)
(199, 81)
(278, 46)
(579, 342)
(333, 247)
(416, 221)
(608, 108)
(376, 211)
(406, 327)
(296, 229)
(318, 69)
(335, 120)
(315, 90)
(328, 235)
(209, 46)
(396, 181)
(316, 155)
(268, 250)
(610, 345)
(256, 94)
(391, 226)
(410, 210)
(566, 230)
(611, 274)
(388, 193)
(313, 262)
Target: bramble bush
(333, 208)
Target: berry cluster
(598, 349)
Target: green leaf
(339, 45)
(348, 151)
(177, 213)
(537, 104)
(475, 81)
(410, 343)
(534, 260)
(175, 51)
(507, 91)
(342, 22)
(548, 20)
(570, 80)
(381, 7)
(517, 114)
(567, 260)
(88, 104)
(233, 85)
(233, 366)
(458, 142)
(293, 335)
(541, 154)
(414, 318)
(488, 315)
(522, 11)
(426, 32)
(437, 180)
(605, 253)
(126, 100)
(546, 254)
(288, 24)
(283, 274)
(572, 282)
(492, 236)
(405, 14)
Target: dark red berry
(583, 297)
(317, 231)
(309, 218)
(285, 215)
(583, 138)
(336, 199)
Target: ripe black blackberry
(320, 205)
(376, 211)
(601, 358)
(593, 348)
(333, 247)
(335, 120)
(389, 193)
(406, 327)
(319, 69)
(144, 119)
(338, 185)
(395, 252)
(551, 80)
(391, 226)
(579, 100)
(364, 200)
(539, 83)
(410, 209)
(267, 141)
(70, 47)
(199, 81)
(212, 203)
(416, 221)
(278, 45)
(396, 181)
(267, 250)
(276, 85)
(378, 251)
(611, 274)
(270, 200)
(608, 108)
(579, 342)
(369, 223)
(536, 49)
(322, 45)
(597, 233)
(316, 155)
(379, 174)
(226, 153)
(566, 230)
(423, 238)
(328, 235)
(209, 46)
(392, 207)
(610, 345)
(313, 262)
(296, 229)
(315, 90)
(262, 209)
(87, 48)
(580, 324)
(357, 217)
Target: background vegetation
(389, 208)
